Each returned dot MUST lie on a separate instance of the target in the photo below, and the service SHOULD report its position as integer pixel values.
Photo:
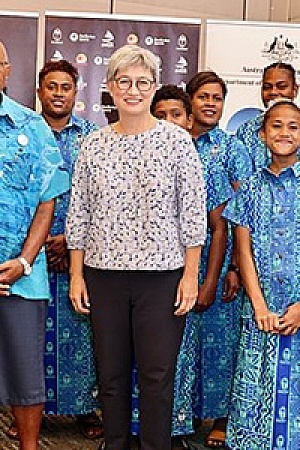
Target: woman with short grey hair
(136, 224)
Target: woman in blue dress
(217, 325)
(265, 404)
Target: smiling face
(207, 105)
(281, 132)
(277, 83)
(127, 91)
(57, 95)
(173, 111)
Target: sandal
(90, 425)
(217, 435)
(13, 432)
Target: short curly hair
(172, 92)
(61, 65)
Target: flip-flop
(217, 435)
(215, 439)
(91, 426)
(13, 432)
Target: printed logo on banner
(108, 40)
(132, 39)
(181, 66)
(100, 60)
(81, 37)
(79, 106)
(56, 36)
(182, 43)
(158, 41)
(57, 55)
(81, 84)
(81, 58)
(280, 48)
(73, 36)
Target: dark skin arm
(207, 291)
(232, 282)
(57, 253)
(12, 270)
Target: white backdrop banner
(238, 52)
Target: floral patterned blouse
(137, 201)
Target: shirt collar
(210, 136)
(295, 168)
(12, 110)
(74, 122)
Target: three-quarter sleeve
(78, 217)
(191, 195)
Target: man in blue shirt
(31, 176)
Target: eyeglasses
(142, 84)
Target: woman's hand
(266, 320)
(78, 294)
(206, 296)
(289, 323)
(187, 293)
(232, 284)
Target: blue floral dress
(71, 384)
(265, 404)
(219, 326)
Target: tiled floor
(62, 433)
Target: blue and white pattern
(137, 201)
(219, 326)
(207, 356)
(248, 133)
(31, 172)
(71, 385)
(265, 404)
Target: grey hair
(132, 55)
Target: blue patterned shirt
(269, 205)
(248, 133)
(216, 147)
(29, 174)
(137, 201)
(69, 140)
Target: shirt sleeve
(239, 208)
(54, 179)
(191, 195)
(239, 162)
(78, 217)
(218, 188)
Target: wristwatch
(27, 267)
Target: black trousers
(132, 315)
